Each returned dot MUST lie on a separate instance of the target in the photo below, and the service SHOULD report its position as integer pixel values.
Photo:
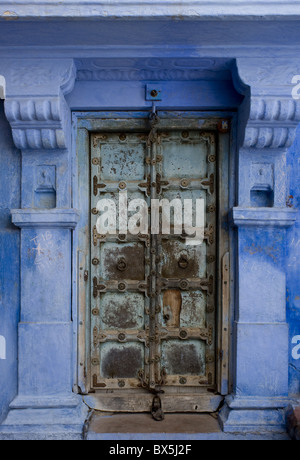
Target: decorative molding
(272, 122)
(15, 9)
(273, 114)
(258, 402)
(35, 105)
(64, 218)
(27, 402)
(36, 123)
(269, 137)
(275, 109)
(263, 217)
(143, 74)
(153, 69)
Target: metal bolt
(122, 137)
(185, 134)
(211, 259)
(95, 261)
(182, 380)
(154, 93)
(183, 284)
(183, 334)
(184, 183)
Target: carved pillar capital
(35, 105)
(273, 113)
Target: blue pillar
(261, 340)
(260, 327)
(45, 406)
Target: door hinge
(97, 186)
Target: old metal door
(153, 295)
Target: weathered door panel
(126, 261)
(119, 268)
(153, 295)
(187, 270)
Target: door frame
(85, 123)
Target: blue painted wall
(293, 268)
(10, 161)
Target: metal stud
(122, 185)
(183, 334)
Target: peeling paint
(9, 15)
(2, 347)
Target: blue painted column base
(253, 415)
(57, 418)
(45, 407)
(260, 397)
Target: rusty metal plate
(182, 261)
(118, 361)
(183, 358)
(123, 261)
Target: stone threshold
(109, 426)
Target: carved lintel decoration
(273, 113)
(272, 122)
(35, 105)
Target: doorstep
(108, 426)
